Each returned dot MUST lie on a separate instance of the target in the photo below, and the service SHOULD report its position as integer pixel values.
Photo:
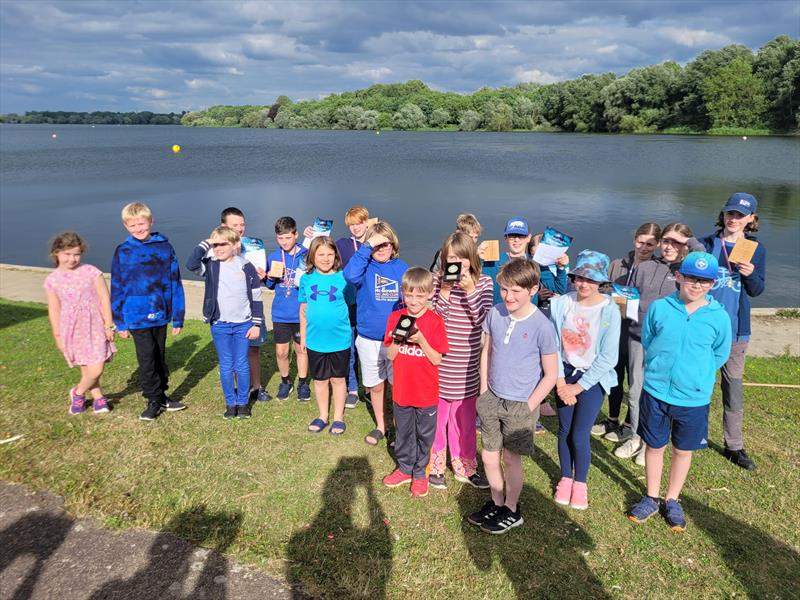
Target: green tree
(439, 117)
(498, 116)
(777, 64)
(649, 94)
(734, 97)
(469, 120)
(410, 116)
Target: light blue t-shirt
(515, 363)
(326, 298)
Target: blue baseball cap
(517, 226)
(591, 265)
(741, 202)
(701, 265)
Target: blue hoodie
(682, 352)
(555, 282)
(377, 290)
(146, 288)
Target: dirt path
(44, 554)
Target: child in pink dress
(79, 308)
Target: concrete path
(771, 336)
(46, 554)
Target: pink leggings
(455, 429)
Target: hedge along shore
(771, 335)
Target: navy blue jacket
(146, 288)
(199, 262)
(753, 284)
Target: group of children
(469, 340)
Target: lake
(598, 188)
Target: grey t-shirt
(234, 305)
(515, 365)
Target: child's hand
(467, 283)
(568, 400)
(175, 331)
(562, 261)
(60, 345)
(481, 249)
(262, 274)
(123, 333)
(376, 240)
(746, 269)
(573, 389)
(416, 337)
(110, 335)
(308, 232)
(253, 332)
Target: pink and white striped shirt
(463, 315)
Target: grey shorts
(506, 424)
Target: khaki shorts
(506, 424)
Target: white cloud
(610, 49)
(270, 45)
(156, 93)
(522, 75)
(359, 71)
(694, 38)
(198, 83)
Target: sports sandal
(337, 428)
(375, 434)
(319, 424)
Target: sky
(165, 56)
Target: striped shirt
(463, 315)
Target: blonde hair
(318, 243)
(418, 278)
(356, 214)
(384, 229)
(467, 223)
(65, 241)
(226, 233)
(462, 246)
(136, 209)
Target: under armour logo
(331, 293)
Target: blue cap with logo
(701, 265)
(517, 226)
(741, 202)
(591, 265)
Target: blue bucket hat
(699, 264)
(741, 202)
(591, 265)
(517, 226)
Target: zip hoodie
(205, 266)
(752, 285)
(683, 351)
(378, 288)
(146, 288)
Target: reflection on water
(598, 188)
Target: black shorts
(286, 332)
(324, 365)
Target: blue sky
(170, 56)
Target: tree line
(722, 91)
(61, 117)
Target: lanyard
(725, 252)
(631, 276)
(355, 244)
(285, 269)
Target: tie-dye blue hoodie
(146, 288)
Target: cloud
(694, 38)
(369, 73)
(533, 76)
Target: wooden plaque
(491, 250)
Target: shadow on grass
(173, 562)
(37, 536)
(335, 557)
(13, 314)
(196, 364)
(541, 557)
(763, 565)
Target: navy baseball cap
(517, 226)
(701, 265)
(741, 202)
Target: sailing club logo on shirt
(330, 293)
(725, 279)
(386, 289)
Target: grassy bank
(312, 509)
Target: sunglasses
(383, 246)
(220, 244)
(697, 281)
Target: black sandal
(375, 434)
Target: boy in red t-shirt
(415, 351)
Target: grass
(311, 509)
(788, 313)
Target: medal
(288, 292)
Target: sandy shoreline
(771, 335)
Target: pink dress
(82, 328)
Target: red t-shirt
(416, 380)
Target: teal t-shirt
(326, 298)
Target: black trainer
(740, 459)
(171, 405)
(487, 512)
(230, 412)
(503, 520)
(151, 412)
(243, 411)
(437, 481)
